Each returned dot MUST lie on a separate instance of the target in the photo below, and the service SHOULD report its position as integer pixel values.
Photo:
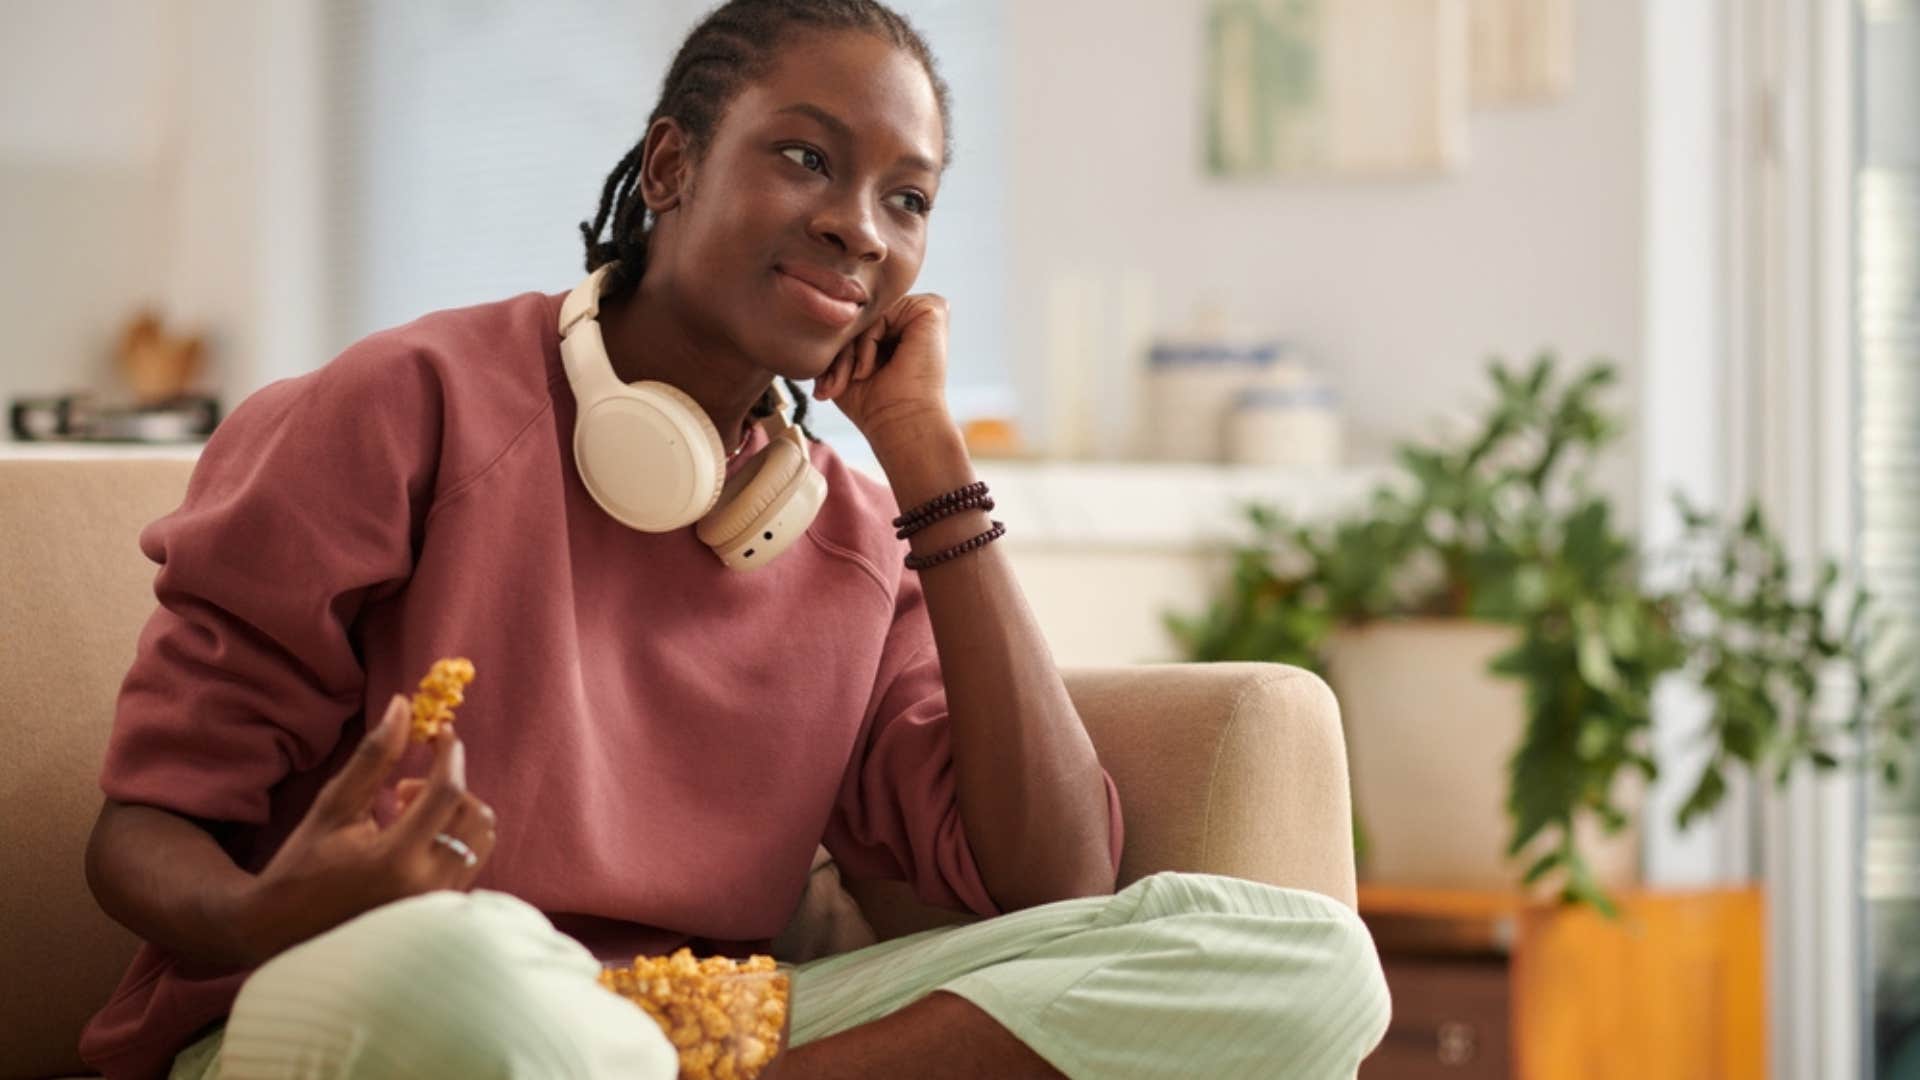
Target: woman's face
(806, 217)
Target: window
(1887, 294)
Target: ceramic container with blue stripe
(1190, 389)
(1288, 425)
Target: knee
(501, 940)
(1346, 1014)
(475, 984)
(1354, 956)
(486, 950)
(1310, 941)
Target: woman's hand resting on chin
(892, 378)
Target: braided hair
(735, 44)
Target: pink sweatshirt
(665, 740)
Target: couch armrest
(1237, 769)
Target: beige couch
(1233, 769)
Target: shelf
(1159, 506)
(91, 451)
(1112, 506)
(1153, 506)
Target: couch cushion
(827, 922)
(77, 593)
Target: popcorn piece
(441, 692)
(726, 1018)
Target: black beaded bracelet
(971, 502)
(922, 562)
(911, 519)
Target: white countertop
(1124, 506)
(1159, 507)
(69, 451)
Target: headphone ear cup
(649, 456)
(753, 489)
(698, 420)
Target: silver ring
(458, 847)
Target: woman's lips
(815, 304)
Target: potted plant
(1487, 607)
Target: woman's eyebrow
(844, 132)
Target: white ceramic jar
(1291, 425)
(1189, 389)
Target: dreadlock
(735, 44)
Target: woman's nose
(850, 224)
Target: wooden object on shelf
(1492, 985)
(158, 366)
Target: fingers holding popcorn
(349, 795)
(406, 791)
(435, 802)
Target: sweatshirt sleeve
(898, 813)
(304, 506)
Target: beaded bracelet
(922, 562)
(981, 501)
(911, 519)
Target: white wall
(1404, 286)
(88, 134)
(155, 153)
(468, 142)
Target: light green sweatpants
(1177, 975)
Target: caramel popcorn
(441, 692)
(726, 1018)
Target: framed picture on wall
(1336, 87)
(1522, 50)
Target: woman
(661, 738)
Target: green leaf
(1612, 819)
(1583, 889)
(1596, 738)
(1540, 376)
(1596, 661)
(1542, 866)
(1707, 793)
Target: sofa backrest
(74, 594)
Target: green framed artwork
(1336, 87)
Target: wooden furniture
(1488, 986)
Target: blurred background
(1204, 255)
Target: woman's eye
(806, 157)
(913, 202)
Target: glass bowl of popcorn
(728, 1019)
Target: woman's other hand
(339, 862)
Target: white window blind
(468, 138)
(1889, 341)
(1888, 296)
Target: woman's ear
(667, 167)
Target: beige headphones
(651, 457)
